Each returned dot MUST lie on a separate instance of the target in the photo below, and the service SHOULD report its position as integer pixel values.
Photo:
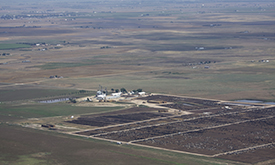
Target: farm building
(116, 94)
(141, 93)
(100, 95)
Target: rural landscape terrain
(197, 82)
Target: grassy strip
(25, 160)
(144, 157)
(185, 158)
(60, 65)
(57, 65)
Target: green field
(13, 46)
(49, 110)
(38, 94)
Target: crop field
(193, 59)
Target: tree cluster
(123, 90)
(5, 54)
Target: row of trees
(123, 90)
(138, 90)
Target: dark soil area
(182, 103)
(198, 120)
(177, 99)
(126, 111)
(220, 140)
(253, 156)
(119, 117)
(186, 125)
(126, 126)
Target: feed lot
(215, 132)
(124, 116)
